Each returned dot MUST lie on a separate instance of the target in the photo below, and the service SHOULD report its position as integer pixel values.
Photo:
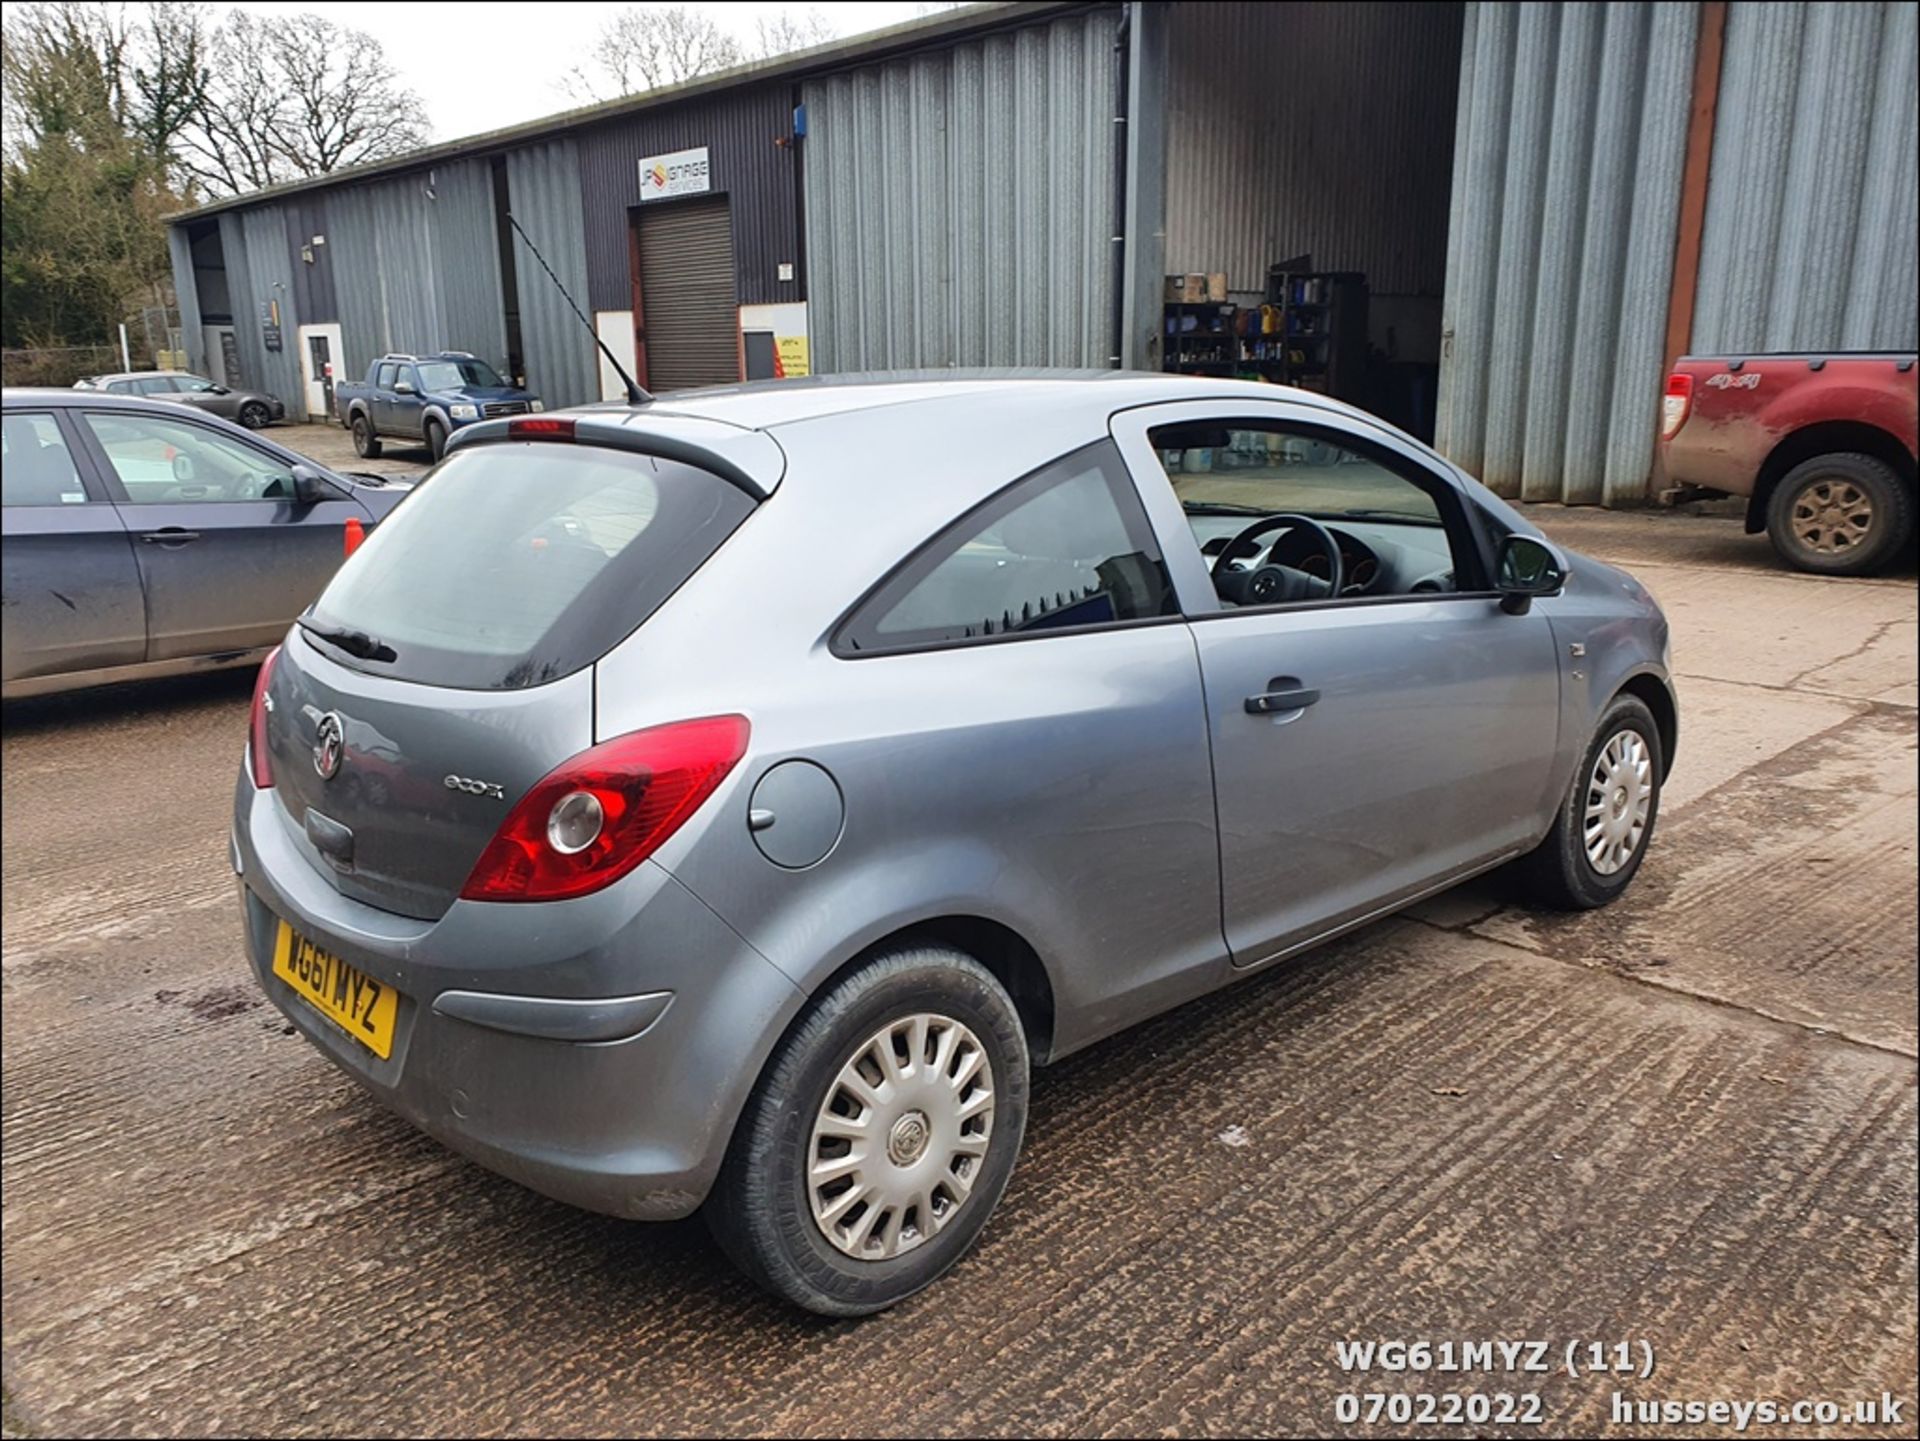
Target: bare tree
(789, 31)
(644, 48)
(96, 74)
(295, 96)
(648, 46)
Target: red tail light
(588, 822)
(257, 758)
(541, 427)
(1677, 405)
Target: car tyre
(1562, 872)
(366, 444)
(436, 438)
(1840, 514)
(762, 1210)
(254, 415)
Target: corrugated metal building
(1547, 201)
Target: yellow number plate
(356, 1003)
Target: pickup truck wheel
(1840, 514)
(366, 444)
(436, 437)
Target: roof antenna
(635, 395)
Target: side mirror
(308, 487)
(1527, 566)
(403, 387)
(219, 390)
(183, 468)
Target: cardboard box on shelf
(1217, 285)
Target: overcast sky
(479, 66)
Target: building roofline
(835, 54)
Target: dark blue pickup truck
(425, 398)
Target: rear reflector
(591, 820)
(541, 427)
(1677, 405)
(258, 761)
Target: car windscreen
(453, 374)
(516, 563)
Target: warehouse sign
(684, 172)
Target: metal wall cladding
(254, 243)
(1813, 205)
(758, 175)
(1311, 128)
(960, 203)
(416, 265)
(1570, 141)
(543, 188)
(313, 293)
(180, 253)
(270, 274)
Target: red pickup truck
(1823, 446)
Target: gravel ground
(1688, 1120)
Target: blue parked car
(425, 398)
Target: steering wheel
(1275, 584)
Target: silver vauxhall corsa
(723, 802)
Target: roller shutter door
(686, 295)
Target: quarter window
(166, 462)
(38, 469)
(1065, 549)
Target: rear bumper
(631, 1127)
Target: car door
(406, 409)
(380, 402)
(227, 555)
(1367, 748)
(71, 584)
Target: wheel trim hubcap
(1619, 800)
(1832, 516)
(898, 1143)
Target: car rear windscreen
(516, 563)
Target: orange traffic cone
(356, 532)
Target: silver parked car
(255, 409)
(724, 801)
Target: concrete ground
(332, 446)
(1688, 1120)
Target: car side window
(1066, 548)
(383, 377)
(155, 385)
(1397, 530)
(166, 462)
(37, 467)
(192, 384)
(121, 387)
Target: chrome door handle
(1274, 702)
(170, 535)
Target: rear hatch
(448, 666)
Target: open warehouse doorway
(1308, 185)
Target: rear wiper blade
(353, 642)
